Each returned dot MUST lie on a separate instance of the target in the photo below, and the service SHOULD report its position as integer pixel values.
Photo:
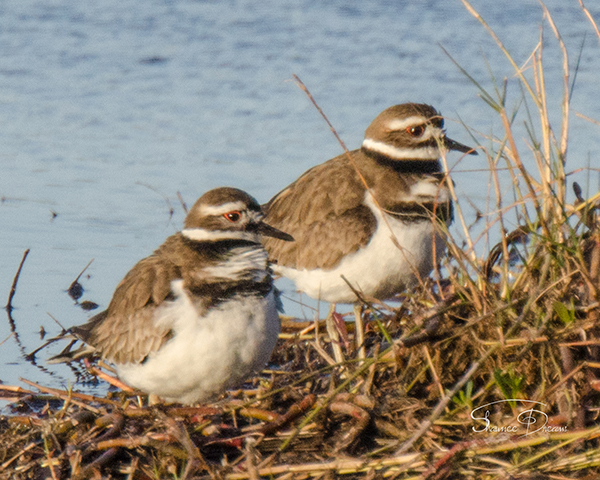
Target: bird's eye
(416, 131)
(233, 216)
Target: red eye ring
(416, 131)
(233, 216)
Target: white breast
(207, 354)
(380, 269)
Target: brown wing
(126, 332)
(323, 210)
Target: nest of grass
(489, 371)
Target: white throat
(202, 235)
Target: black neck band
(405, 166)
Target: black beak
(452, 145)
(269, 231)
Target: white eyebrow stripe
(202, 235)
(206, 210)
(423, 153)
(401, 124)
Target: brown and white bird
(199, 315)
(380, 239)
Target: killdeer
(380, 239)
(199, 315)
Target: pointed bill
(454, 145)
(269, 231)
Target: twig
(22, 452)
(182, 201)
(115, 382)
(167, 201)
(75, 290)
(70, 395)
(195, 460)
(590, 18)
(11, 320)
(84, 269)
(293, 412)
(102, 460)
(334, 335)
(4, 341)
(13, 288)
(346, 465)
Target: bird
(365, 221)
(199, 315)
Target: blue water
(109, 109)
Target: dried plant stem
(590, 18)
(13, 288)
(72, 396)
(359, 332)
(492, 34)
(7, 463)
(559, 179)
(341, 466)
(334, 336)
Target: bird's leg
(359, 331)
(334, 335)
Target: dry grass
(519, 323)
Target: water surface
(109, 109)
